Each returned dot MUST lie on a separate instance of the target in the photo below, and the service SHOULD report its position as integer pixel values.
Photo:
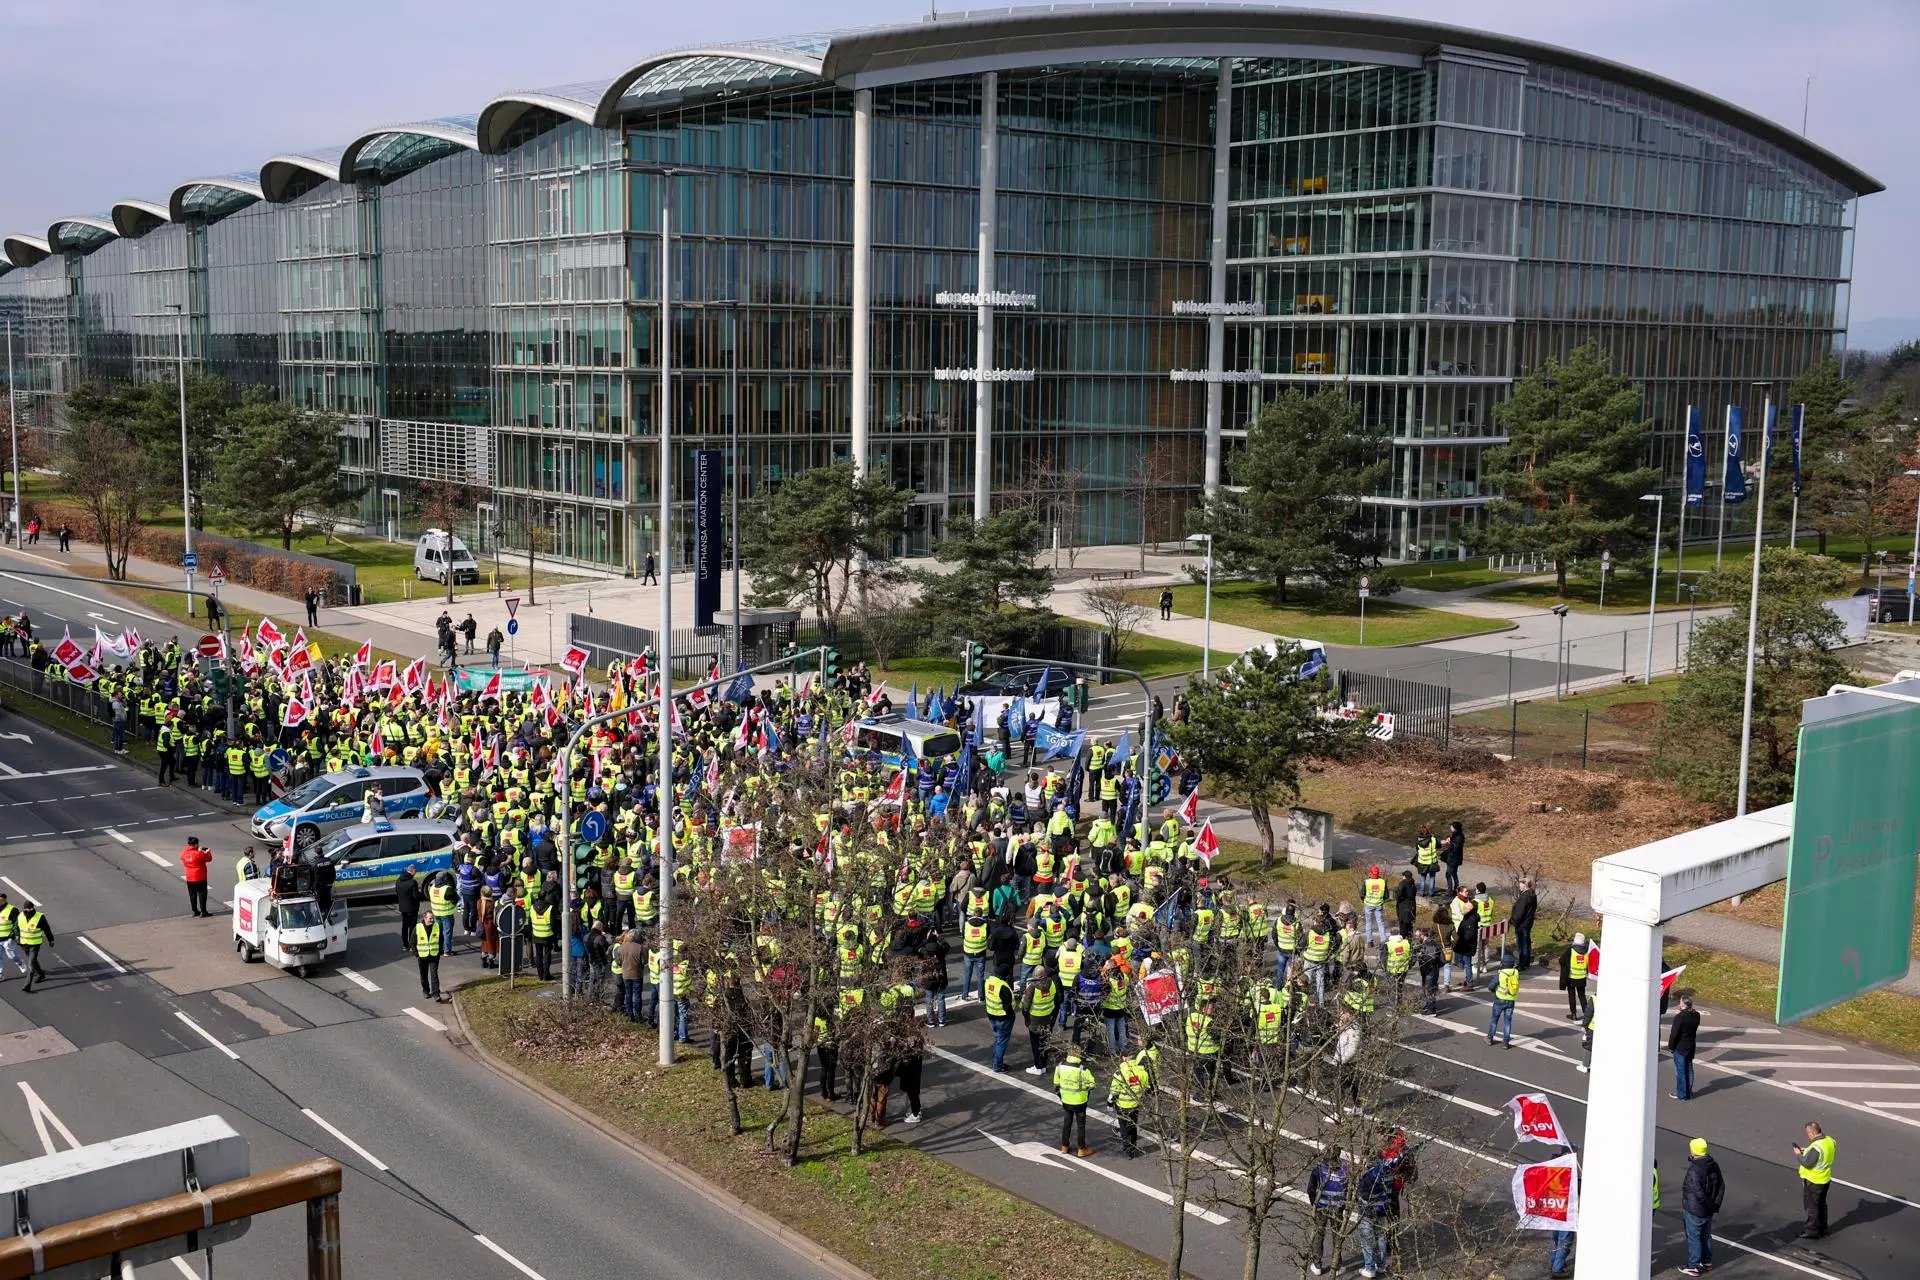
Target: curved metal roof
(134, 218)
(24, 251)
(399, 149)
(286, 176)
(84, 234)
(576, 101)
(704, 67)
(211, 199)
(962, 43)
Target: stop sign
(209, 646)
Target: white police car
(322, 805)
(368, 858)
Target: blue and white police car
(320, 806)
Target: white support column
(1616, 1164)
(983, 314)
(862, 279)
(1217, 294)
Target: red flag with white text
(1190, 807)
(269, 634)
(1206, 844)
(1534, 1119)
(1546, 1196)
(574, 659)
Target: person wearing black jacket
(1452, 854)
(1003, 940)
(1406, 903)
(1526, 905)
(1681, 1034)
(406, 896)
(1701, 1196)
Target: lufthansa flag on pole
(1696, 492)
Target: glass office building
(1055, 254)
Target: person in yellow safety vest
(1373, 903)
(1489, 908)
(1426, 860)
(1506, 991)
(1074, 1083)
(1267, 1010)
(257, 766)
(1202, 1048)
(1043, 1001)
(9, 921)
(1399, 961)
(245, 868)
(443, 898)
(236, 774)
(34, 932)
(1359, 993)
(997, 997)
(1575, 964)
(545, 929)
(1286, 941)
(1097, 756)
(973, 953)
(426, 949)
(1816, 1174)
(1131, 1086)
(1202, 928)
(1315, 954)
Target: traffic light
(790, 654)
(830, 665)
(974, 659)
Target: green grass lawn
(1450, 575)
(1250, 604)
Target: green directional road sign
(1850, 869)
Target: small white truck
(281, 922)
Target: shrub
(246, 565)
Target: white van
(431, 558)
(1313, 654)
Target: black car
(1018, 682)
(1889, 604)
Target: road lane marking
(1852, 1084)
(1042, 1155)
(356, 979)
(43, 1116)
(117, 836)
(15, 886)
(14, 775)
(88, 943)
(424, 1019)
(349, 1143)
(206, 1035)
(44, 586)
(1823, 1066)
(156, 859)
(509, 1259)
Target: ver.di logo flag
(1696, 491)
(1733, 480)
(1546, 1196)
(1534, 1120)
(1206, 844)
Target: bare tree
(442, 504)
(1153, 482)
(115, 481)
(1119, 612)
(1054, 490)
(881, 606)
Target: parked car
(1019, 682)
(1889, 604)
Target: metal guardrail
(77, 699)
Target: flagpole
(1726, 467)
(1753, 603)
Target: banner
(1733, 480)
(709, 479)
(1206, 844)
(1696, 490)
(1799, 438)
(1534, 1120)
(512, 680)
(1547, 1196)
(1767, 429)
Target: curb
(801, 1244)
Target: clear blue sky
(125, 98)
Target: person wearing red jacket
(194, 862)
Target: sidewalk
(1707, 929)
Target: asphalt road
(149, 1018)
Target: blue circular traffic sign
(513, 626)
(593, 826)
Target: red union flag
(363, 656)
(1547, 1196)
(1534, 1120)
(269, 634)
(1190, 807)
(574, 659)
(1160, 995)
(295, 713)
(1206, 844)
(66, 653)
(81, 673)
(492, 688)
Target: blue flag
(1122, 750)
(1040, 690)
(1766, 434)
(913, 699)
(1051, 744)
(1696, 491)
(1733, 479)
(1017, 719)
(979, 722)
(741, 690)
(770, 738)
(1799, 436)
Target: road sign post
(209, 646)
(1851, 866)
(1366, 589)
(1606, 567)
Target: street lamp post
(1206, 642)
(186, 492)
(13, 426)
(1913, 562)
(1653, 590)
(1560, 653)
(1753, 601)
